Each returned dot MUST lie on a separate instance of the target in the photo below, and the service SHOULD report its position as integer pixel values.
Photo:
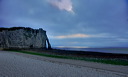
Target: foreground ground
(14, 64)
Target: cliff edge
(23, 37)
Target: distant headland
(23, 37)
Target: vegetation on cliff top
(17, 28)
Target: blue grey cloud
(91, 17)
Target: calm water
(105, 50)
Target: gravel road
(14, 64)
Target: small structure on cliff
(23, 37)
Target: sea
(116, 50)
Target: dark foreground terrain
(107, 58)
(15, 64)
(80, 54)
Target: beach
(13, 64)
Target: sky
(71, 23)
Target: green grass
(99, 60)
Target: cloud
(80, 35)
(104, 35)
(62, 5)
(72, 36)
(122, 39)
(72, 47)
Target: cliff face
(21, 37)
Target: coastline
(107, 58)
(76, 67)
(81, 54)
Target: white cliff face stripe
(62, 5)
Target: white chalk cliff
(22, 37)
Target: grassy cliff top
(17, 28)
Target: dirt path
(14, 64)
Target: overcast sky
(82, 23)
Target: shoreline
(73, 53)
(81, 68)
(115, 59)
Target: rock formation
(22, 37)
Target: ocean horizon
(117, 50)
